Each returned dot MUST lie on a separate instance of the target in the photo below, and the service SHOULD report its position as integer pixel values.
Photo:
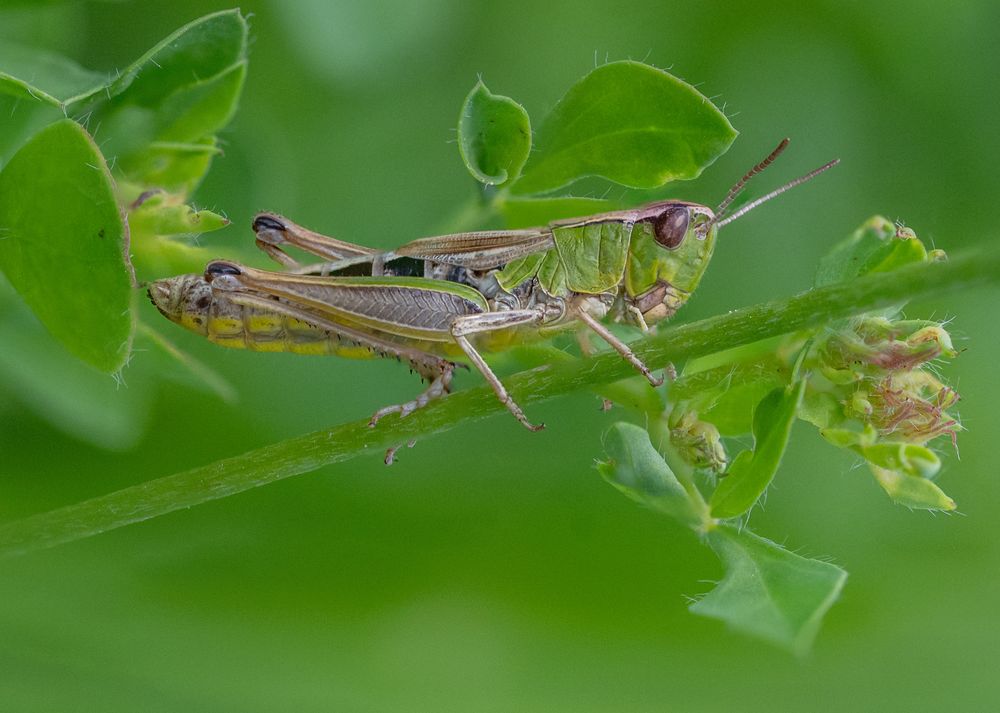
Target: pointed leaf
(64, 245)
(186, 117)
(912, 491)
(877, 246)
(752, 472)
(201, 109)
(910, 459)
(637, 470)
(769, 592)
(630, 123)
(194, 53)
(494, 136)
(165, 219)
(160, 114)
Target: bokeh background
(492, 569)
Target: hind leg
(439, 386)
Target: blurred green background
(491, 568)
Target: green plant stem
(340, 443)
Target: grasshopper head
(673, 248)
(184, 299)
(671, 245)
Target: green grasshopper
(438, 299)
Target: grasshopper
(439, 299)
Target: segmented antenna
(776, 192)
(721, 218)
(735, 190)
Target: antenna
(734, 191)
(776, 192)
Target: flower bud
(876, 345)
(698, 443)
(913, 407)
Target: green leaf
(166, 107)
(204, 108)
(494, 136)
(822, 409)
(877, 246)
(636, 469)
(752, 471)
(37, 75)
(63, 244)
(185, 118)
(725, 387)
(850, 438)
(726, 395)
(22, 120)
(529, 212)
(154, 221)
(909, 459)
(768, 592)
(630, 123)
(196, 52)
(177, 168)
(161, 218)
(159, 255)
(901, 469)
(912, 491)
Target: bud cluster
(698, 443)
(876, 345)
(879, 369)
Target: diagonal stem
(340, 443)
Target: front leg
(579, 310)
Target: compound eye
(217, 268)
(671, 227)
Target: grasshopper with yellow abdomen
(440, 299)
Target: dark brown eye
(221, 267)
(671, 227)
